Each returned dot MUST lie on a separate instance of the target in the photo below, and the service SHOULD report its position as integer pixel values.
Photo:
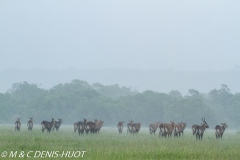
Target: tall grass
(111, 145)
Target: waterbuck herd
(165, 129)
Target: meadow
(109, 144)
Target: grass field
(111, 145)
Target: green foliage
(77, 100)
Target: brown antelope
(179, 128)
(184, 125)
(30, 124)
(129, 127)
(17, 124)
(153, 127)
(220, 130)
(162, 131)
(81, 126)
(90, 126)
(57, 124)
(136, 127)
(120, 127)
(194, 128)
(200, 129)
(168, 128)
(47, 125)
(98, 126)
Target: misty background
(144, 45)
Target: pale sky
(137, 34)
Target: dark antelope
(136, 127)
(120, 127)
(47, 125)
(17, 124)
(129, 127)
(153, 127)
(30, 124)
(81, 126)
(220, 130)
(57, 124)
(200, 129)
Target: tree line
(113, 103)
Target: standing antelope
(81, 126)
(30, 124)
(179, 128)
(129, 127)
(17, 124)
(162, 131)
(194, 128)
(153, 127)
(57, 124)
(47, 125)
(168, 128)
(136, 127)
(220, 130)
(99, 126)
(120, 127)
(200, 129)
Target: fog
(179, 35)
(145, 45)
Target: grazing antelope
(136, 127)
(17, 124)
(200, 129)
(57, 124)
(120, 127)
(47, 125)
(220, 130)
(153, 127)
(81, 126)
(129, 127)
(30, 124)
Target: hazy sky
(139, 34)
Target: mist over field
(145, 61)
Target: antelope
(17, 124)
(168, 128)
(81, 126)
(129, 127)
(30, 124)
(162, 131)
(120, 127)
(90, 126)
(98, 126)
(184, 125)
(153, 127)
(194, 128)
(220, 130)
(179, 128)
(47, 125)
(136, 127)
(57, 124)
(75, 125)
(200, 129)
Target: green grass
(111, 145)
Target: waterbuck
(194, 128)
(90, 126)
(129, 127)
(200, 129)
(162, 131)
(153, 127)
(17, 124)
(30, 124)
(75, 125)
(98, 126)
(168, 128)
(81, 126)
(47, 125)
(220, 130)
(179, 128)
(120, 127)
(57, 124)
(136, 127)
